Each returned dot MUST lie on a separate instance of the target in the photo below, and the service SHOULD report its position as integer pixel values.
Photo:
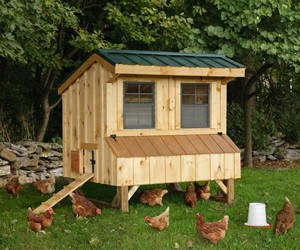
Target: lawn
(115, 230)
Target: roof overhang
(227, 74)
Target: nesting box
(133, 118)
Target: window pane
(131, 98)
(188, 99)
(188, 89)
(201, 116)
(146, 88)
(202, 99)
(131, 88)
(145, 117)
(146, 98)
(201, 90)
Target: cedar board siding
(93, 110)
(84, 120)
(170, 169)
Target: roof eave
(178, 71)
(82, 68)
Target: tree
(37, 34)
(259, 34)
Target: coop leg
(230, 191)
(121, 199)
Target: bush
(263, 127)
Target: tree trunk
(248, 110)
(249, 106)
(46, 108)
(44, 120)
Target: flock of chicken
(82, 207)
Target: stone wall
(30, 160)
(278, 149)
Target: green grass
(115, 230)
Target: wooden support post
(230, 191)
(123, 192)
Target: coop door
(89, 161)
(75, 161)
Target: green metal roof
(159, 58)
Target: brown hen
(190, 196)
(153, 197)
(203, 191)
(285, 218)
(213, 231)
(39, 222)
(46, 186)
(82, 207)
(13, 187)
(159, 222)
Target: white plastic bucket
(257, 215)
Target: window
(194, 105)
(138, 105)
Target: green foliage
(57, 139)
(29, 30)
(148, 24)
(235, 124)
(115, 230)
(263, 127)
(253, 32)
(280, 97)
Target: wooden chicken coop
(133, 118)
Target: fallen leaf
(189, 244)
(94, 241)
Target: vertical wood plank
(66, 129)
(111, 107)
(188, 168)
(98, 113)
(82, 106)
(229, 166)
(223, 109)
(157, 170)
(177, 104)
(172, 104)
(125, 172)
(141, 170)
(102, 120)
(120, 101)
(203, 171)
(237, 165)
(107, 165)
(217, 166)
(89, 104)
(161, 98)
(214, 112)
(173, 169)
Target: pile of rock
(278, 149)
(30, 160)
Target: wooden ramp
(79, 181)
